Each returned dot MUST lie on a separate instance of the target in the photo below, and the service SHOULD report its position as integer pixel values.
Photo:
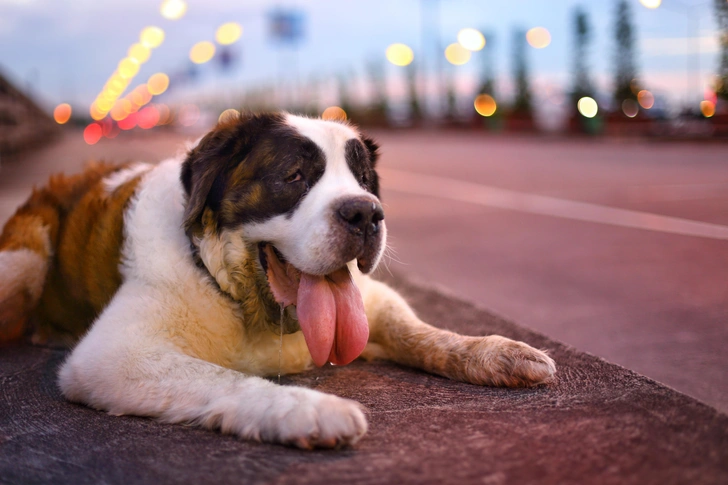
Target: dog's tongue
(331, 315)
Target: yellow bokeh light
(228, 114)
(128, 68)
(228, 33)
(334, 113)
(104, 105)
(646, 99)
(485, 105)
(158, 83)
(96, 113)
(140, 52)
(457, 54)
(152, 37)
(471, 39)
(400, 54)
(587, 107)
(538, 37)
(173, 9)
(707, 108)
(62, 113)
(651, 3)
(202, 52)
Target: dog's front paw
(498, 361)
(310, 419)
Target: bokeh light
(334, 113)
(121, 110)
(228, 114)
(148, 118)
(128, 123)
(202, 52)
(538, 37)
(92, 133)
(457, 54)
(471, 39)
(707, 108)
(587, 107)
(651, 3)
(95, 112)
(128, 68)
(189, 114)
(173, 9)
(400, 54)
(646, 99)
(485, 105)
(152, 37)
(62, 113)
(630, 108)
(158, 83)
(228, 33)
(165, 115)
(140, 52)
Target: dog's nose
(361, 215)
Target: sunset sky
(65, 50)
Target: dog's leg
(124, 368)
(395, 333)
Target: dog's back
(55, 254)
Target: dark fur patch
(247, 169)
(361, 156)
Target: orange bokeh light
(62, 113)
(334, 113)
(157, 83)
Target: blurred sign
(287, 26)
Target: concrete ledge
(600, 423)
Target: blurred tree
(487, 79)
(344, 94)
(582, 38)
(413, 99)
(375, 71)
(522, 102)
(625, 69)
(721, 14)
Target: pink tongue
(331, 315)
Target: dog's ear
(207, 168)
(203, 173)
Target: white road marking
(457, 190)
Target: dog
(183, 285)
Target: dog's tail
(26, 249)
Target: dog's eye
(294, 177)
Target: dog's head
(303, 192)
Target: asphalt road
(617, 248)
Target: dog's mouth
(329, 307)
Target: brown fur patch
(82, 224)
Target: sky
(64, 50)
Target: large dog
(183, 280)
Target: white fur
(117, 179)
(305, 238)
(169, 345)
